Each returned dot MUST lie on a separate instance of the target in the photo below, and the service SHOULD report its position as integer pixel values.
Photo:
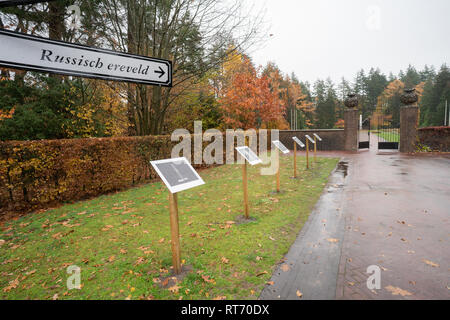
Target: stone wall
(333, 139)
(435, 138)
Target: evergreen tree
(436, 93)
(411, 78)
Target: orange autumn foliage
(249, 101)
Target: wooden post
(295, 159)
(307, 153)
(244, 179)
(315, 149)
(175, 230)
(278, 171)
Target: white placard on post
(177, 174)
(298, 141)
(310, 139)
(317, 136)
(249, 155)
(280, 146)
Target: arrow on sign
(161, 72)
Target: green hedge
(40, 174)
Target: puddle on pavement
(343, 167)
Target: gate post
(409, 117)
(351, 123)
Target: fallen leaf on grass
(2, 242)
(29, 273)
(208, 279)
(431, 263)
(12, 285)
(225, 260)
(397, 291)
(106, 228)
(261, 273)
(174, 289)
(139, 261)
(55, 297)
(123, 251)
(112, 258)
(161, 240)
(220, 298)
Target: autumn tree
(193, 34)
(249, 102)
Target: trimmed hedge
(40, 174)
(435, 138)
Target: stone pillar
(351, 123)
(409, 117)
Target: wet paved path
(390, 211)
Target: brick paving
(393, 212)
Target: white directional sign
(177, 174)
(7, 3)
(309, 138)
(22, 51)
(297, 140)
(317, 136)
(280, 146)
(249, 155)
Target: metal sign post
(175, 232)
(296, 141)
(307, 153)
(279, 147)
(178, 175)
(295, 161)
(308, 138)
(278, 172)
(250, 157)
(315, 149)
(316, 137)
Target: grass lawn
(121, 241)
(389, 136)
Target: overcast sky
(335, 38)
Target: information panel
(249, 155)
(309, 138)
(280, 146)
(297, 140)
(317, 136)
(177, 174)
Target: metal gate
(364, 135)
(388, 133)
